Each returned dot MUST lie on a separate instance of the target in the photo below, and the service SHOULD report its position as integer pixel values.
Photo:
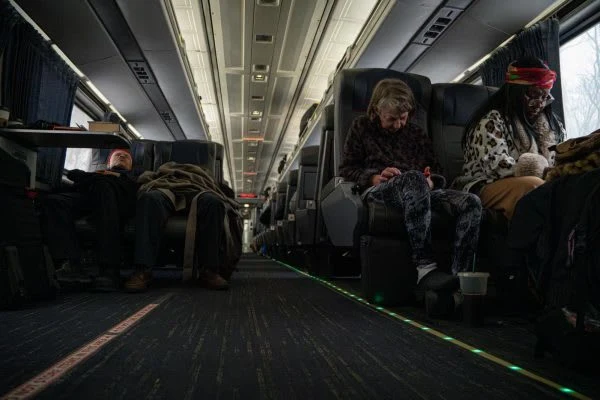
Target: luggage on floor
(572, 332)
(26, 269)
(231, 250)
(388, 276)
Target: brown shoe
(213, 281)
(138, 282)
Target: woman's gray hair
(392, 94)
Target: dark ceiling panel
(85, 41)
(396, 31)
(481, 28)
(114, 78)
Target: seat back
(307, 176)
(292, 184)
(352, 92)
(198, 152)
(452, 105)
(325, 170)
(280, 201)
(142, 154)
(305, 195)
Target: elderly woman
(389, 157)
(506, 143)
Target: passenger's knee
(210, 201)
(527, 183)
(151, 199)
(414, 175)
(473, 201)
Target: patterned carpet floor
(275, 334)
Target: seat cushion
(388, 221)
(174, 229)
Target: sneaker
(211, 280)
(138, 282)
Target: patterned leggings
(410, 193)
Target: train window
(79, 158)
(580, 75)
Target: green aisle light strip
(443, 336)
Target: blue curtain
(8, 19)
(36, 84)
(541, 41)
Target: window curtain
(540, 40)
(36, 84)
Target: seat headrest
(282, 187)
(309, 156)
(327, 117)
(293, 177)
(352, 93)
(142, 152)
(198, 152)
(452, 105)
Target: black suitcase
(26, 270)
(388, 275)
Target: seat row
(330, 231)
(149, 155)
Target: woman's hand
(430, 182)
(377, 179)
(390, 172)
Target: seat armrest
(343, 212)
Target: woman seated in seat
(506, 143)
(387, 156)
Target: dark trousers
(153, 210)
(410, 194)
(107, 208)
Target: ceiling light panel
(193, 37)
(347, 20)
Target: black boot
(436, 280)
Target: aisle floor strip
(442, 336)
(40, 382)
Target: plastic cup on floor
(473, 286)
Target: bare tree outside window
(580, 70)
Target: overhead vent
(271, 3)
(258, 98)
(264, 39)
(142, 72)
(167, 116)
(437, 25)
(260, 68)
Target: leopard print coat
(493, 150)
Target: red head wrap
(542, 77)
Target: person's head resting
(120, 159)
(524, 95)
(392, 104)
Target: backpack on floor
(231, 248)
(572, 333)
(26, 269)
